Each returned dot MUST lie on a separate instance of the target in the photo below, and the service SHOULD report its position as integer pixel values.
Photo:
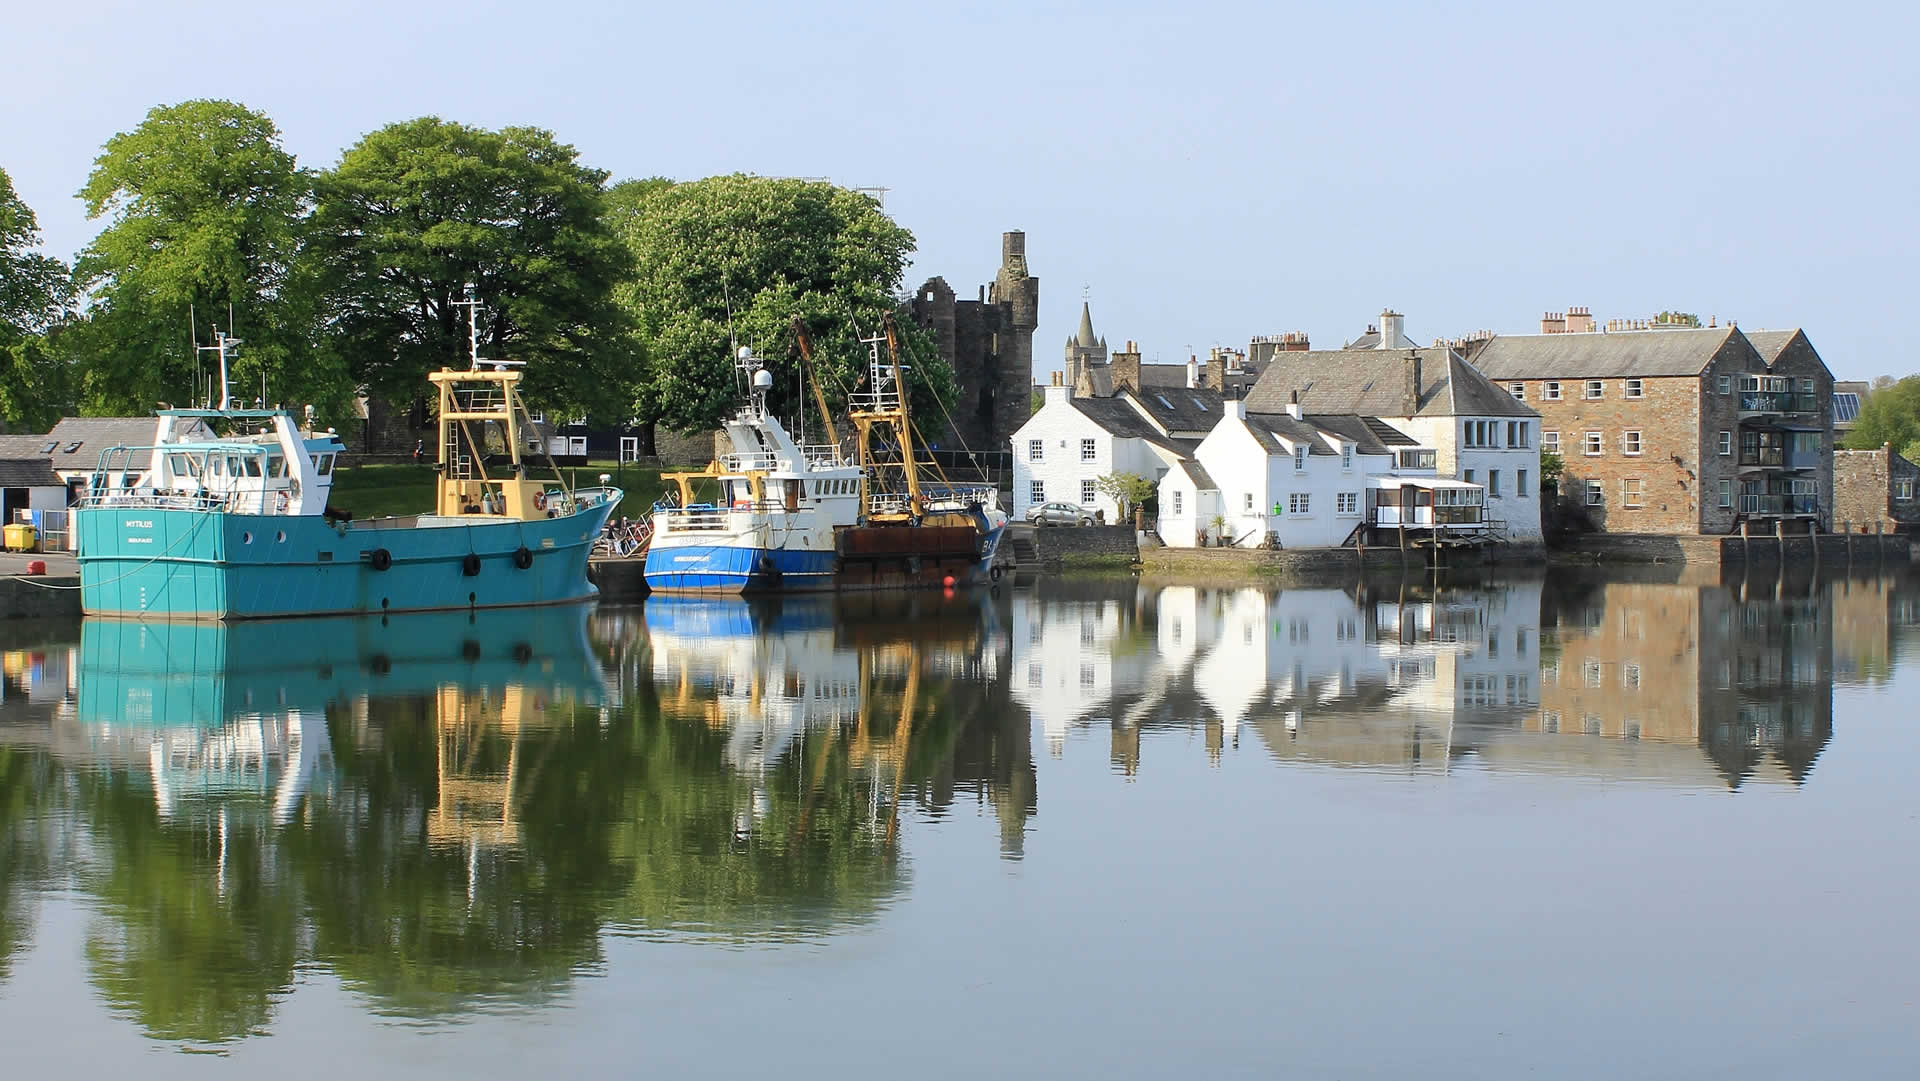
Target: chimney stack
(1553, 323)
(1411, 406)
(1126, 368)
(1293, 405)
(1391, 323)
(1193, 371)
(1580, 320)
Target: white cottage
(1478, 434)
(1063, 450)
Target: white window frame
(1631, 443)
(1089, 450)
(1726, 493)
(1726, 443)
(1346, 457)
(1036, 492)
(1596, 389)
(1596, 494)
(1550, 441)
(1246, 502)
(1903, 489)
(1299, 502)
(1179, 498)
(1518, 390)
(1036, 450)
(1089, 493)
(1493, 484)
(1633, 492)
(1635, 388)
(1551, 392)
(1724, 384)
(1594, 445)
(1520, 484)
(1347, 503)
(1299, 457)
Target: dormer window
(1300, 456)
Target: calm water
(1572, 827)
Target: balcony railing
(1766, 401)
(1771, 504)
(1392, 517)
(1764, 456)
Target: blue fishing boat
(225, 516)
(775, 516)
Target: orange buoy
(947, 581)
(38, 566)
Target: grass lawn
(375, 491)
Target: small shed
(28, 484)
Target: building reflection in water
(1710, 685)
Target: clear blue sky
(1207, 171)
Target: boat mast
(221, 345)
(885, 406)
(819, 396)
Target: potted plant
(1219, 525)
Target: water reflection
(452, 813)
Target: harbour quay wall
(1723, 551)
(33, 600)
(1066, 544)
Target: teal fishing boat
(225, 516)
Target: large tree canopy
(206, 213)
(34, 288)
(737, 257)
(419, 212)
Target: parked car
(1059, 514)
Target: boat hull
(863, 559)
(163, 563)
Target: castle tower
(989, 344)
(1084, 351)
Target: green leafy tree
(1127, 489)
(1890, 414)
(206, 214)
(1552, 466)
(418, 212)
(736, 258)
(35, 289)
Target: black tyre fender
(523, 557)
(470, 565)
(380, 559)
(994, 574)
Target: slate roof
(93, 435)
(1602, 356)
(1163, 375)
(1371, 340)
(1198, 475)
(22, 465)
(1179, 409)
(1357, 430)
(1116, 417)
(1266, 426)
(1389, 435)
(1372, 383)
(1771, 343)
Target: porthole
(280, 537)
(246, 538)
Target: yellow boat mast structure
(487, 393)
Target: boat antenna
(193, 346)
(733, 340)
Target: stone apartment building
(1690, 430)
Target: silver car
(1059, 514)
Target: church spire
(1085, 339)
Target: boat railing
(762, 462)
(694, 517)
(824, 455)
(157, 500)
